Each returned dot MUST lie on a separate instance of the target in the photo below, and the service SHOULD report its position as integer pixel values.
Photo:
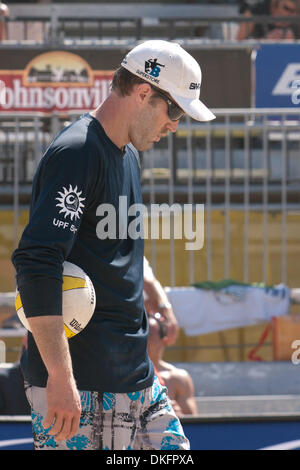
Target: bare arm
(157, 301)
(63, 400)
(184, 394)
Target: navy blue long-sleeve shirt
(82, 170)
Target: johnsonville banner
(57, 81)
(48, 81)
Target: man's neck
(111, 117)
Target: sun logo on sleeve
(70, 202)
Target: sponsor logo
(58, 68)
(286, 83)
(54, 81)
(62, 224)
(152, 67)
(70, 202)
(194, 86)
(76, 325)
(147, 76)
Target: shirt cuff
(41, 297)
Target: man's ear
(142, 92)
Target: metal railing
(58, 23)
(246, 160)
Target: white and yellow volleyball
(79, 300)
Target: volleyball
(79, 300)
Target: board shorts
(143, 420)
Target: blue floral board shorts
(143, 420)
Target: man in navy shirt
(97, 390)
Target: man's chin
(142, 147)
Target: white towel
(200, 311)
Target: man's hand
(172, 331)
(63, 408)
(156, 300)
(63, 400)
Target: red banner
(56, 81)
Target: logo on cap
(152, 67)
(194, 86)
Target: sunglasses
(174, 111)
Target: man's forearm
(156, 295)
(157, 301)
(63, 398)
(51, 340)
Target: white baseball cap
(166, 65)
